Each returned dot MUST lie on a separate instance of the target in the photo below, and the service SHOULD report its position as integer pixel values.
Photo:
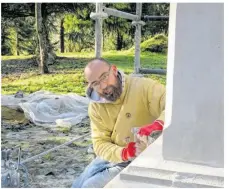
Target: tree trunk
(42, 39)
(62, 35)
(119, 41)
(51, 55)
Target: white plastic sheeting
(47, 109)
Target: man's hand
(140, 147)
(145, 134)
(151, 132)
(132, 150)
(129, 152)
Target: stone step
(170, 178)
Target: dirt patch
(57, 169)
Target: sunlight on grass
(69, 72)
(16, 57)
(58, 83)
(124, 60)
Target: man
(118, 104)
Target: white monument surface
(190, 153)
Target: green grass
(64, 129)
(67, 74)
(158, 43)
(16, 57)
(58, 83)
(124, 59)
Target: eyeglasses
(103, 79)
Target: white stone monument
(190, 153)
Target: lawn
(67, 73)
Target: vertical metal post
(98, 31)
(137, 65)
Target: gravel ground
(56, 169)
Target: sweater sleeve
(101, 138)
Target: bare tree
(40, 27)
(62, 35)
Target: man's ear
(114, 69)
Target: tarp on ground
(47, 109)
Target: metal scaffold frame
(103, 12)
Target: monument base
(151, 170)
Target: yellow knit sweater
(142, 101)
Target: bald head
(95, 67)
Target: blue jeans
(98, 173)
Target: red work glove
(153, 130)
(128, 152)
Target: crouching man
(118, 104)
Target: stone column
(195, 84)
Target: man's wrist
(124, 154)
(147, 130)
(129, 151)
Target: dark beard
(116, 91)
